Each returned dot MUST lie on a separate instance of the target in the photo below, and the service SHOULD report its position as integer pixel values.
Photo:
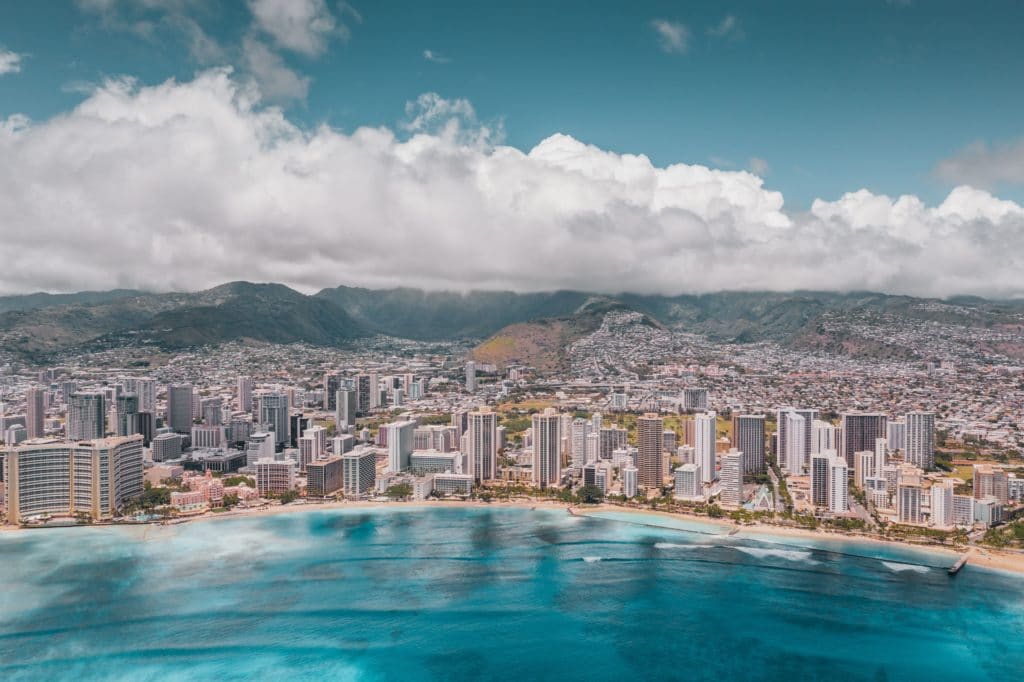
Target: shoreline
(987, 558)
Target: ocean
(436, 593)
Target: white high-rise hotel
(704, 443)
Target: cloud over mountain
(187, 184)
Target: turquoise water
(479, 594)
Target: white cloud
(758, 166)
(728, 27)
(304, 26)
(10, 62)
(275, 79)
(432, 56)
(986, 165)
(187, 185)
(673, 36)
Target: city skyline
(438, 184)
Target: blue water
(477, 594)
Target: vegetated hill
(239, 310)
(543, 343)
(437, 315)
(858, 323)
(40, 300)
(262, 312)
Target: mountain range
(509, 324)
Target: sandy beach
(1001, 560)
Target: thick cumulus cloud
(187, 185)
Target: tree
(590, 494)
(399, 491)
(230, 500)
(288, 496)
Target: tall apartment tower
(400, 436)
(332, 384)
(694, 399)
(705, 437)
(86, 416)
(820, 463)
(179, 408)
(35, 411)
(127, 410)
(795, 436)
(345, 408)
(838, 485)
(274, 416)
(578, 432)
(364, 391)
(471, 376)
(859, 431)
(732, 478)
(921, 439)
(748, 438)
(547, 448)
(824, 436)
(245, 394)
(649, 453)
(482, 439)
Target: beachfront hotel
(52, 477)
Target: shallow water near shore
(474, 594)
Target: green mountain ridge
(38, 324)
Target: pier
(960, 563)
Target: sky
(656, 147)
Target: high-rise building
(920, 437)
(838, 485)
(211, 410)
(245, 394)
(688, 483)
(629, 481)
(332, 384)
(824, 436)
(649, 452)
(274, 476)
(145, 389)
(748, 437)
(274, 409)
(547, 448)
(127, 410)
(863, 467)
(179, 408)
(694, 399)
(705, 441)
(324, 477)
(991, 481)
(793, 445)
(942, 504)
(363, 393)
(399, 444)
(345, 408)
(471, 376)
(97, 477)
(732, 478)
(819, 477)
(482, 441)
(35, 412)
(611, 439)
(859, 431)
(260, 445)
(86, 416)
(896, 434)
(359, 468)
(578, 432)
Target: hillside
(534, 328)
(544, 344)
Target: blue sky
(832, 96)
